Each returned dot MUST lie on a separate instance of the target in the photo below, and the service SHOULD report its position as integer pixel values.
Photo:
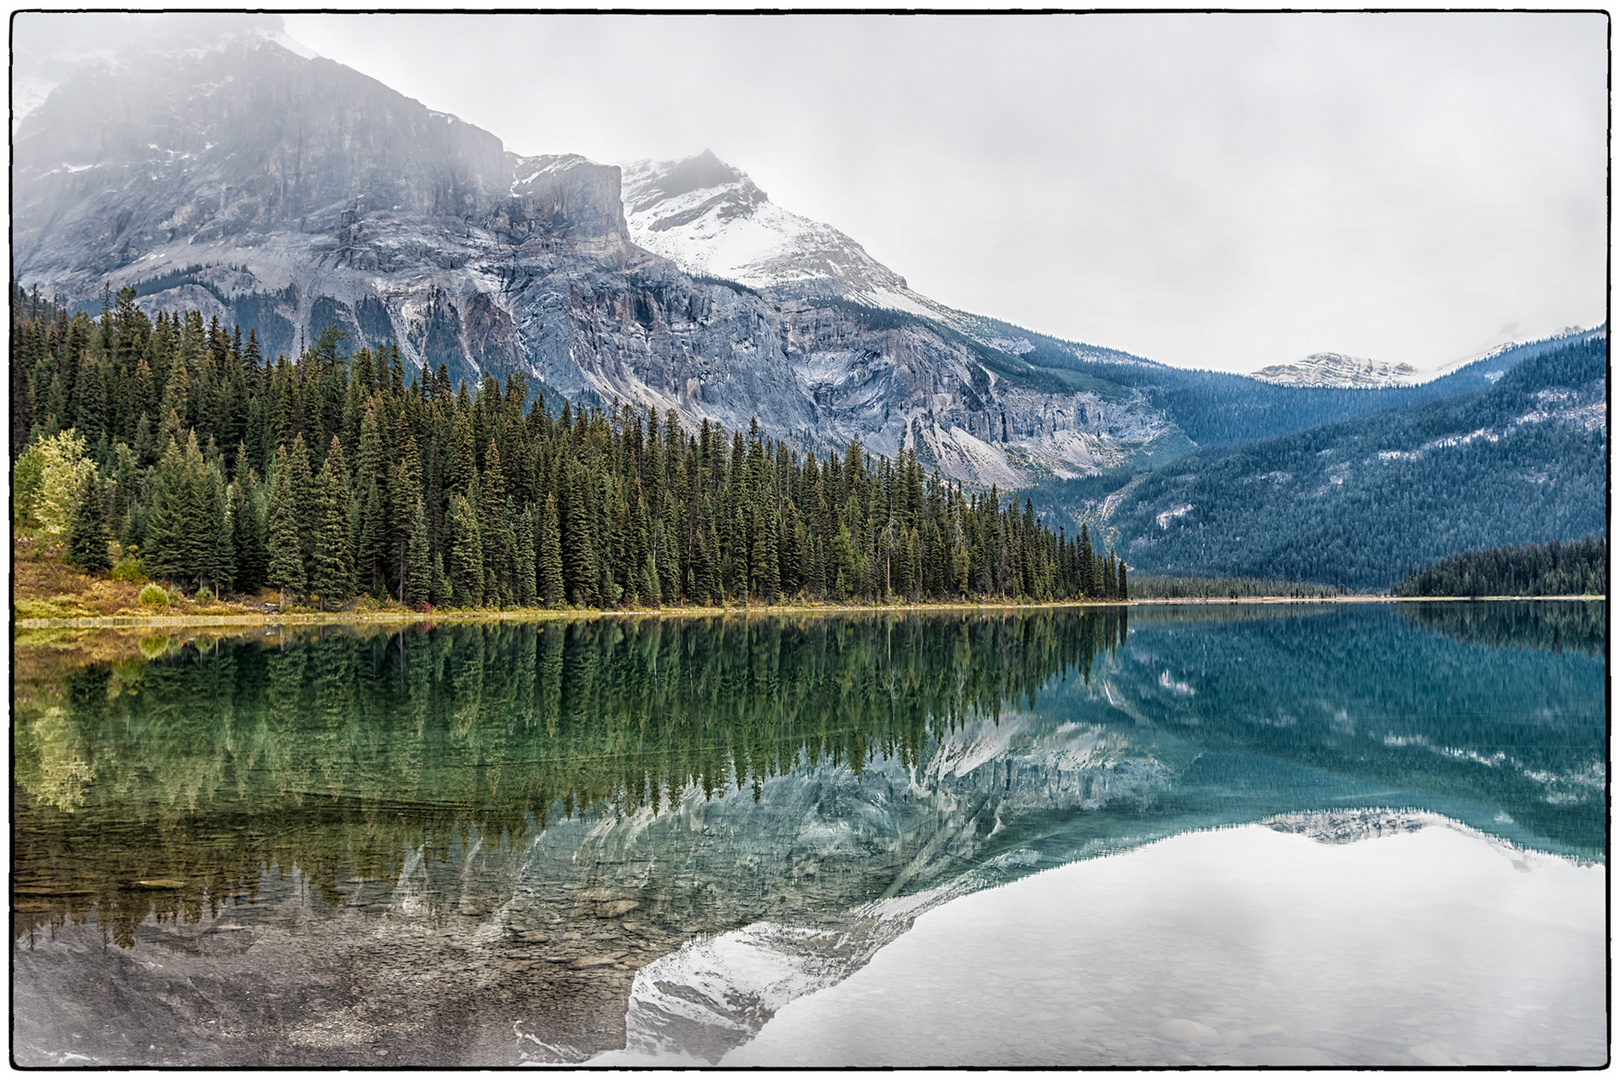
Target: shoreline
(341, 618)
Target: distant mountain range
(1336, 369)
(236, 173)
(1361, 501)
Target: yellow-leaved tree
(46, 482)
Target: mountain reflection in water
(459, 844)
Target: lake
(1352, 834)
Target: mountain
(1360, 501)
(1336, 369)
(217, 165)
(251, 180)
(713, 220)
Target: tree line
(1551, 569)
(329, 477)
(1164, 587)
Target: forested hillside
(1218, 408)
(329, 477)
(1363, 501)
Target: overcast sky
(1219, 191)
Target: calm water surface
(1368, 834)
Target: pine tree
(463, 467)
(371, 555)
(523, 569)
(333, 578)
(548, 556)
(286, 570)
(1088, 565)
(578, 547)
(466, 553)
(419, 578)
(87, 532)
(181, 531)
(90, 401)
(247, 537)
(496, 554)
(220, 564)
(305, 494)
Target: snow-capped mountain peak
(1337, 369)
(712, 219)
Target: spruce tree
(371, 554)
(578, 549)
(419, 584)
(548, 555)
(333, 578)
(491, 508)
(220, 564)
(466, 553)
(87, 530)
(523, 565)
(179, 530)
(247, 536)
(305, 495)
(287, 568)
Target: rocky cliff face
(276, 190)
(132, 157)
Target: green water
(536, 812)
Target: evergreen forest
(330, 477)
(1552, 569)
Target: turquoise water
(479, 844)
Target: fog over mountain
(216, 164)
(1219, 191)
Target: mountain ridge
(1360, 501)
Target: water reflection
(1579, 625)
(1427, 945)
(471, 844)
(344, 755)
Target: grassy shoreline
(404, 617)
